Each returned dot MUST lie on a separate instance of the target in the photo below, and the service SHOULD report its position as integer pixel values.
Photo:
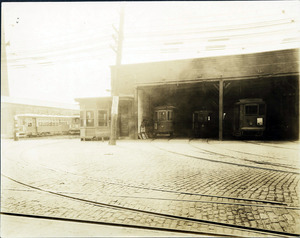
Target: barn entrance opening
(196, 106)
(188, 102)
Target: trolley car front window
(170, 117)
(162, 116)
(251, 110)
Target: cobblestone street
(176, 187)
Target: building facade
(215, 84)
(211, 86)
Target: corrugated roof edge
(121, 97)
(93, 98)
(209, 57)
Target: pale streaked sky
(61, 51)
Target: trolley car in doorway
(164, 120)
(204, 124)
(249, 117)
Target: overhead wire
(199, 31)
(72, 48)
(211, 16)
(217, 19)
(64, 44)
(129, 27)
(209, 37)
(75, 47)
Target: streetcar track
(162, 190)
(178, 192)
(264, 144)
(226, 162)
(118, 207)
(280, 205)
(257, 155)
(171, 191)
(242, 152)
(248, 160)
(115, 224)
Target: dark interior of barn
(281, 95)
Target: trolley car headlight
(259, 121)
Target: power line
(202, 30)
(137, 40)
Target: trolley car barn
(215, 84)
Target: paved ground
(198, 186)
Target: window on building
(102, 118)
(89, 118)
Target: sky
(63, 50)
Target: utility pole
(221, 89)
(4, 75)
(115, 79)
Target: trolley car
(204, 123)
(164, 120)
(249, 117)
(39, 125)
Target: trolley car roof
(250, 100)
(45, 116)
(164, 107)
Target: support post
(116, 82)
(135, 112)
(140, 112)
(221, 109)
(114, 120)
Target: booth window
(89, 118)
(82, 118)
(102, 118)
